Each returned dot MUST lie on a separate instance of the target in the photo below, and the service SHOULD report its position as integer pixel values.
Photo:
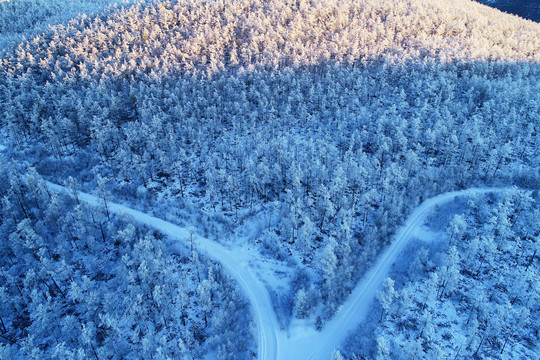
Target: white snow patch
(425, 234)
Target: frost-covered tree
(386, 297)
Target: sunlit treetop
(209, 36)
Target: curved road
(308, 344)
(265, 318)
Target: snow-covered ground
(469, 264)
(301, 341)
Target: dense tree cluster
(339, 115)
(79, 283)
(345, 151)
(478, 297)
(20, 18)
(215, 35)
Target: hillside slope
(475, 294)
(210, 35)
(302, 131)
(528, 9)
(20, 18)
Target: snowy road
(265, 318)
(355, 309)
(305, 343)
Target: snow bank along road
(308, 343)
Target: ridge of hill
(212, 35)
(528, 9)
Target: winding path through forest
(355, 308)
(267, 325)
(273, 343)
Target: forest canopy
(335, 117)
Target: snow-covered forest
(302, 132)
(472, 293)
(80, 283)
(20, 18)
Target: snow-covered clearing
(301, 341)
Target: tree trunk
(479, 346)
(3, 326)
(531, 261)
(58, 287)
(94, 351)
(457, 354)
(102, 233)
